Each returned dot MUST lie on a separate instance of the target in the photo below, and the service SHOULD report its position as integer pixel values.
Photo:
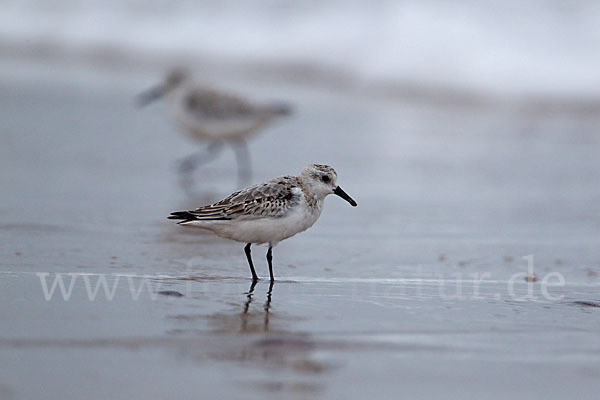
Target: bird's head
(174, 79)
(322, 181)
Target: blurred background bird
(214, 117)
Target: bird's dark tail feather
(186, 216)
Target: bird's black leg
(249, 257)
(270, 261)
(240, 147)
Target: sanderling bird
(214, 117)
(268, 212)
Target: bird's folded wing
(274, 198)
(206, 103)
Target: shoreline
(112, 60)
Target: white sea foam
(505, 47)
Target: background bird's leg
(189, 164)
(249, 257)
(242, 155)
(270, 261)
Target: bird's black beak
(150, 95)
(338, 190)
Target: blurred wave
(538, 47)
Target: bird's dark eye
(325, 178)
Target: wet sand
(387, 299)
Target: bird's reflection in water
(267, 306)
(254, 335)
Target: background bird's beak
(338, 190)
(148, 96)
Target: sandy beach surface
(419, 292)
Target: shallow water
(419, 291)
